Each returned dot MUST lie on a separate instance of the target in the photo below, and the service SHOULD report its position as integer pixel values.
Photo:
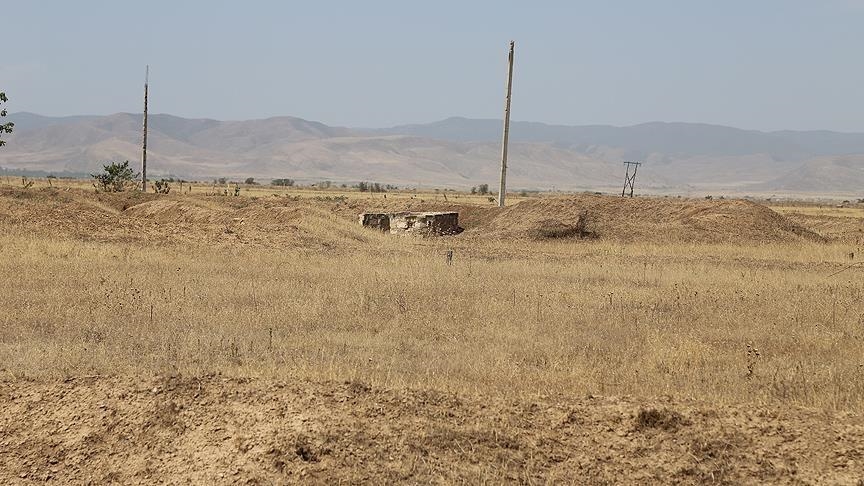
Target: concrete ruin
(425, 223)
(379, 221)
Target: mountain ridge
(454, 152)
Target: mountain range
(684, 158)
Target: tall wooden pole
(144, 145)
(502, 189)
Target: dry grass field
(268, 338)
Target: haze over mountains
(684, 158)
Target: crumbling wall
(431, 223)
(443, 223)
(379, 221)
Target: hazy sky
(763, 64)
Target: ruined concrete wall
(408, 222)
(443, 223)
(426, 223)
(379, 221)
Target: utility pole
(144, 145)
(630, 179)
(503, 187)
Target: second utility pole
(144, 144)
(502, 189)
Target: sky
(755, 64)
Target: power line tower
(630, 179)
(503, 187)
(144, 144)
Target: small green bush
(114, 177)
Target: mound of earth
(645, 220)
(152, 218)
(214, 430)
(62, 212)
(176, 211)
(218, 211)
(281, 221)
(839, 228)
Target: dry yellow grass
(514, 318)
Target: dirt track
(238, 431)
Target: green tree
(4, 127)
(250, 181)
(114, 177)
(483, 189)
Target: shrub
(162, 186)
(114, 177)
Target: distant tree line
(374, 187)
(482, 189)
(249, 181)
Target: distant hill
(674, 139)
(679, 157)
(830, 174)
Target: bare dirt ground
(214, 430)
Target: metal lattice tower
(630, 179)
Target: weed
(663, 419)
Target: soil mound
(213, 430)
(645, 219)
(152, 218)
(173, 211)
(54, 212)
(289, 221)
(838, 228)
(202, 211)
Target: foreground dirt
(215, 430)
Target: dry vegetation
(538, 317)
(682, 303)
